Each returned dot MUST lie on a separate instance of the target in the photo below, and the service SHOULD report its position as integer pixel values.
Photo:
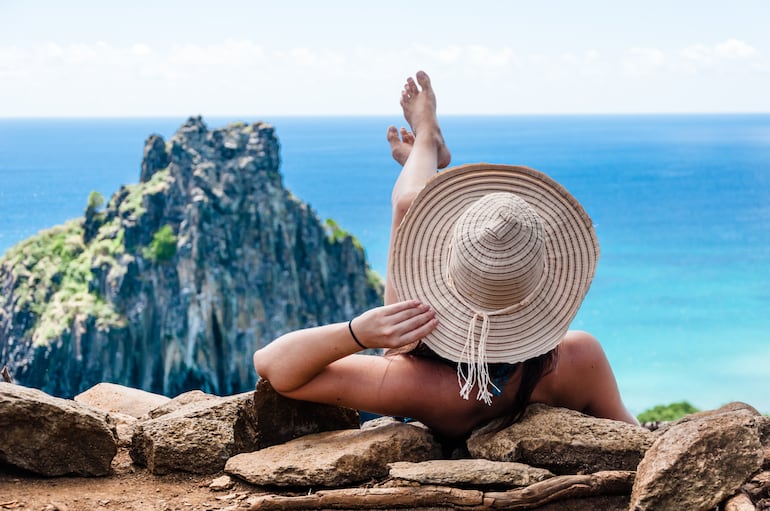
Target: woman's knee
(401, 203)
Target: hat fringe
(475, 358)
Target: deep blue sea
(681, 203)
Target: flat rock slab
(180, 401)
(335, 458)
(573, 493)
(563, 441)
(52, 436)
(469, 473)
(109, 397)
(698, 462)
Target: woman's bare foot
(400, 146)
(419, 108)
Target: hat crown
(498, 252)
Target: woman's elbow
(267, 370)
(261, 365)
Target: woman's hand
(395, 325)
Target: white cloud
(141, 50)
(729, 55)
(52, 50)
(735, 49)
(317, 59)
(643, 61)
(231, 52)
(588, 64)
(477, 56)
(448, 55)
(487, 57)
(231, 75)
(698, 53)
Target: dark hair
(532, 371)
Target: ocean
(681, 204)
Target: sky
(241, 58)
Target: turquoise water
(681, 300)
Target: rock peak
(181, 277)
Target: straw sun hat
(505, 256)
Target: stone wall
(287, 454)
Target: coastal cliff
(174, 282)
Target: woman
(488, 265)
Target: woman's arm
(319, 365)
(294, 359)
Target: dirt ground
(130, 488)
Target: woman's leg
(421, 152)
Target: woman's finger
(412, 323)
(409, 312)
(399, 307)
(420, 331)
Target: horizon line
(373, 115)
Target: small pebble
(222, 483)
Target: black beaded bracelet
(350, 327)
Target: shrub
(336, 234)
(95, 201)
(163, 245)
(668, 412)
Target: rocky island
(175, 282)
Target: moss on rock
(53, 270)
(336, 234)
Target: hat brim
(420, 251)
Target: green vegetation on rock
(95, 201)
(374, 279)
(670, 412)
(132, 205)
(336, 234)
(163, 245)
(53, 272)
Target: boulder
(124, 427)
(180, 401)
(764, 438)
(563, 441)
(281, 419)
(758, 488)
(52, 436)
(468, 473)
(198, 432)
(335, 458)
(110, 397)
(699, 461)
(196, 438)
(739, 502)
